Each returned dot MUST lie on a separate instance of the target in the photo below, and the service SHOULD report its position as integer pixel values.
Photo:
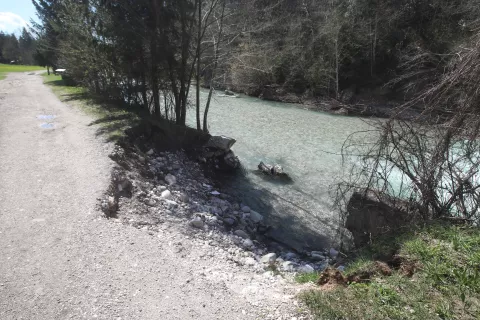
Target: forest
(309, 48)
(18, 50)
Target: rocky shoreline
(155, 191)
(348, 104)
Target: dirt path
(59, 259)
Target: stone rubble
(177, 191)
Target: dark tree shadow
(289, 222)
(57, 83)
(112, 118)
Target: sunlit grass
(446, 284)
(110, 119)
(7, 68)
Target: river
(307, 144)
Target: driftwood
(274, 170)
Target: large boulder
(369, 214)
(231, 160)
(217, 152)
(220, 142)
(341, 111)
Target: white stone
(215, 193)
(290, 256)
(248, 243)
(183, 197)
(255, 216)
(288, 266)
(324, 265)
(333, 253)
(150, 202)
(150, 152)
(220, 142)
(246, 209)
(170, 178)
(317, 256)
(241, 234)
(171, 204)
(306, 269)
(166, 194)
(197, 223)
(269, 258)
(111, 202)
(249, 261)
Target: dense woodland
(153, 54)
(311, 48)
(18, 50)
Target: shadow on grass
(113, 129)
(82, 96)
(57, 83)
(113, 118)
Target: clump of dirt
(332, 277)
(405, 266)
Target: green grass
(446, 284)
(307, 277)
(110, 120)
(7, 68)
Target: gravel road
(60, 259)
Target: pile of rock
(175, 191)
(285, 261)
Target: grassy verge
(7, 68)
(111, 120)
(436, 276)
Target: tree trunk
(374, 44)
(198, 62)
(144, 91)
(216, 45)
(337, 89)
(166, 105)
(184, 64)
(153, 52)
(205, 113)
(144, 81)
